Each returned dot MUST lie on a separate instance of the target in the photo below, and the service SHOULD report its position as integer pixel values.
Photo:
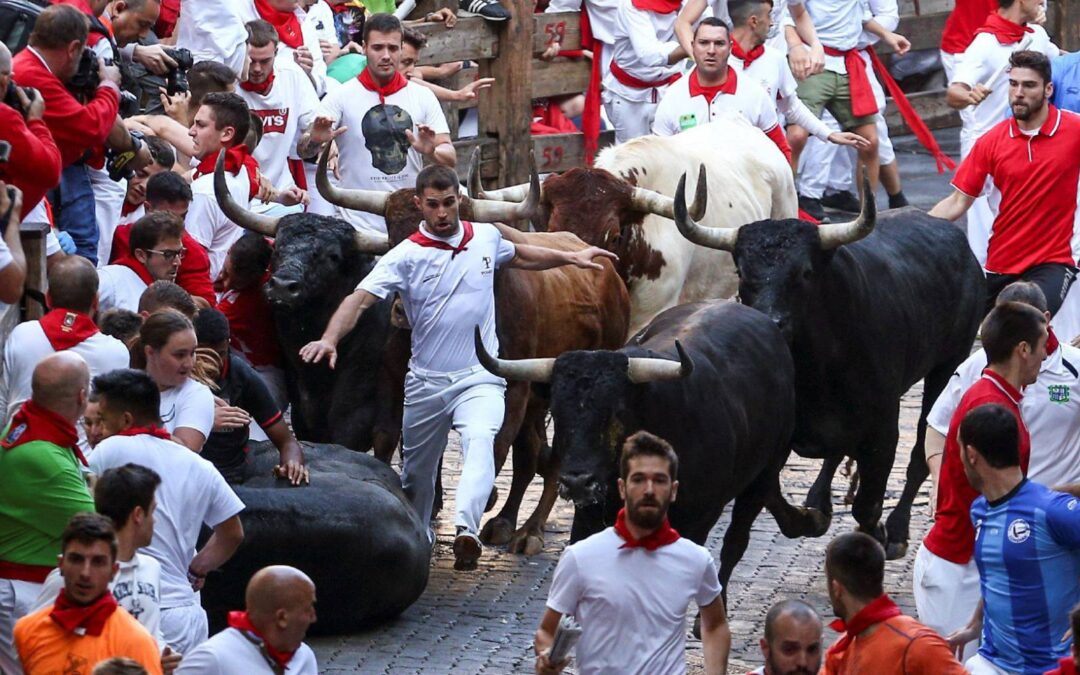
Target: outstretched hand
(848, 138)
(585, 257)
(313, 352)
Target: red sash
(235, 157)
(64, 329)
(150, 430)
(1006, 32)
(663, 536)
(631, 81)
(396, 84)
(728, 87)
(286, 23)
(241, 621)
(35, 423)
(879, 609)
(83, 620)
(260, 89)
(747, 57)
(421, 239)
(590, 115)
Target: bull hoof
(527, 540)
(493, 499)
(497, 531)
(896, 550)
(819, 521)
(697, 626)
(877, 532)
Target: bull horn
(642, 370)
(839, 234)
(514, 193)
(371, 201)
(264, 225)
(528, 370)
(648, 201)
(495, 211)
(721, 238)
(367, 242)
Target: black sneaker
(842, 201)
(486, 9)
(898, 200)
(813, 207)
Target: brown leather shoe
(467, 549)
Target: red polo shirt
(1036, 179)
(194, 273)
(952, 537)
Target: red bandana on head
(879, 609)
(83, 620)
(663, 536)
(150, 430)
(286, 23)
(235, 157)
(728, 87)
(34, 423)
(1006, 32)
(396, 84)
(422, 239)
(240, 621)
(64, 329)
(260, 89)
(747, 57)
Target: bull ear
(528, 370)
(369, 201)
(642, 370)
(838, 234)
(721, 238)
(264, 225)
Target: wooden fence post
(1067, 24)
(506, 111)
(33, 242)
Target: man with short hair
(84, 624)
(1034, 161)
(155, 249)
(1027, 547)
(792, 641)
(444, 274)
(876, 637)
(945, 580)
(268, 637)
(73, 297)
(192, 494)
(42, 486)
(166, 295)
(631, 584)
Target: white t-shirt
(887, 14)
(984, 58)
(119, 286)
(772, 72)
(286, 110)
(206, 222)
(679, 111)
(445, 297)
(192, 493)
(190, 405)
(27, 346)
(643, 42)
(214, 30)
(136, 587)
(308, 32)
(375, 154)
(320, 16)
(839, 24)
(631, 603)
(5, 255)
(234, 652)
(1050, 408)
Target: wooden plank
(562, 76)
(917, 7)
(472, 39)
(566, 26)
(561, 152)
(32, 236)
(931, 107)
(923, 31)
(1065, 15)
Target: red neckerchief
(260, 89)
(128, 260)
(747, 57)
(1066, 666)
(1052, 342)
(64, 329)
(241, 621)
(663, 535)
(288, 26)
(879, 609)
(396, 84)
(149, 430)
(421, 239)
(728, 87)
(83, 620)
(34, 423)
(128, 208)
(658, 6)
(1006, 32)
(235, 157)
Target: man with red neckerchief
(42, 484)
(876, 636)
(299, 41)
(85, 625)
(386, 124)
(629, 585)
(268, 636)
(153, 253)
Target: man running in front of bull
(443, 274)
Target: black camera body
(11, 96)
(176, 81)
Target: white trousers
(978, 665)
(826, 166)
(184, 628)
(631, 119)
(108, 202)
(16, 600)
(946, 594)
(472, 402)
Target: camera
(11, 96)
(176, 81)
(83, 85)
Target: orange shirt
(47, 649)
(897, 646)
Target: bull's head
(779, 261)
(591, 394)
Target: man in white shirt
(154, 252)
(192, 493)
(386, 124)
(72, 295)
(980, 91)
(444, 275)
(214, 30)
(807, 58)
(268, 637)
(632, 583)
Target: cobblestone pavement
(483, 622)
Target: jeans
(73, 204)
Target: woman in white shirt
(165, 349)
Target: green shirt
(41, 488)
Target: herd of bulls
(833, 324)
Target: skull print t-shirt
(375, 152)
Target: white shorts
(184, 628)
(979, 665)
(631, 119)
(16, 600)
(946, 594)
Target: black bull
(716, 380)
(868, 312)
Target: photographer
(12, 259)
(33, 163)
